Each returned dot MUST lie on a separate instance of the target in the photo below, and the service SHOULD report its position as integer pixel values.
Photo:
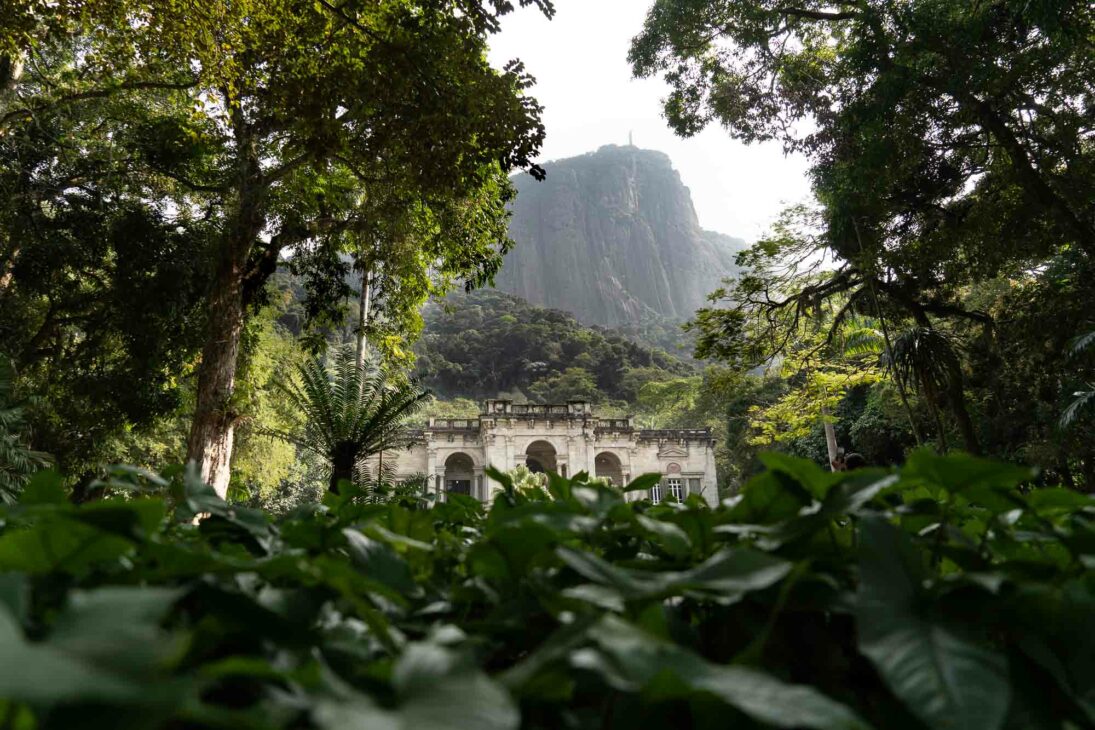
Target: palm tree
(928, 359)
(351, 412)
(17, 460)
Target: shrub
(938, 596)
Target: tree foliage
(950, 145)
(940, 595)
(17, 461)
(487, 343)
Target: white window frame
(675, 486)
(656, 493)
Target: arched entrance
(607, 466)
(459, 474)
(540, 457)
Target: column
(431, 470)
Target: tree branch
(818, 14)
(95, 94)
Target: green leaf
(1059, 500)
(944, 675)
(816, 480)
(45, 487)
(770, 497)
(380, 562)
(47, 676)
(958, 472)
(439, 691)
(632, 659)
(643, 482)
(724, 577)
(668, 535)
(59, 545)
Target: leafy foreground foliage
(938, 596)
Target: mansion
(566, 439)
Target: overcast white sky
(583, 80)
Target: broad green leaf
(808, 474)
(943, 674)
(1059, 499)
(632, 659)
(440, 690)
(672, 538)
(130, 518)
(729, 574)
(643, 483)
(768, 498)
(45, 487)
(45, 674)
(958, 472)
(724, 577)
(59, 545)
(380, 562)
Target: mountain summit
(612, 237)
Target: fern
(350, 413)
(17, 460)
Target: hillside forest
(248, 246)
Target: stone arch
(607, 465)
(541, 456)
(459, 473)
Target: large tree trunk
(957, 398)
(213, 429)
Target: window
(694, 485)
(674, 488)
(656, 493)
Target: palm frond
(923, 357)
(1081, 399)
(1081, 343)
(350, 409)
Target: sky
(579, 60)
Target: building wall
(504, 432)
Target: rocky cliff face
(613, 238)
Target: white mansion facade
(566, 439)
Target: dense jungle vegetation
(488, 343)
(195, 200)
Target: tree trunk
(213, 429)
(7, 267)
(363, 314)
(342, 468)
(957, 398)
(830, 437)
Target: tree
(101, 307)
(949, 140)
(301, 113)
(350, 413)
(931, 96)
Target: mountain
(613, 238)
